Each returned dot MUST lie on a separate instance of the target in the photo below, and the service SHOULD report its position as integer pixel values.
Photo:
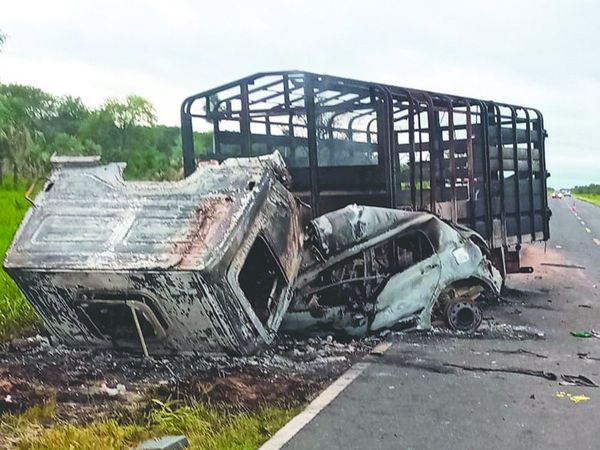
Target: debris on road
(491, 329)
(381, 348)
(521, 371)
(29, 343)
(582, 334)
(586, 355)
(120, 389)
(520, 351)
(563, 266)
(573, 398)
(577, 380)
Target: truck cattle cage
(477, 163)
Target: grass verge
(592, 198)
(205, 427)
(16, 315)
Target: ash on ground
(89, 383)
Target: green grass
(16, 315)
(205, 428)
(593, 198)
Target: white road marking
(559, 246)
(582, 222)
(286, 433)
(597, 241)
(588, 230)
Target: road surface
(413, 398)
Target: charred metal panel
(95, 246)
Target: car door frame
(418, 282)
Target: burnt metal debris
(368, 268)
(205, 264)
(325, 205)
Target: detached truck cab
(202, 264)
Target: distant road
(577, 223)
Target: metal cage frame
(474, 162)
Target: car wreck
(223, 259)
(203, 264)
(368, 268)
(258, 237)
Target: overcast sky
(543, 54)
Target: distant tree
(134, 112)
(2, 39)
(70, 113)
(14, 143)
(29, 105)
(15, 138)
(28, 114)
(589, 189)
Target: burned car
(369, 268)
(202, 264)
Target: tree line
(589, 189)
(35, 124)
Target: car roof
(345, 228)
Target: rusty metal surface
(93, 238)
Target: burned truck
(480, 164)
(192, 265)
(324, 204)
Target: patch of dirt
(249, 389)
(90, 384)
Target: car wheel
(463, 314)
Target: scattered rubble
(491, 329)
(89, 383)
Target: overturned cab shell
(202, 264)
(369, 268)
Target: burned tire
(463, 315)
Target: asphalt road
(411, 399)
